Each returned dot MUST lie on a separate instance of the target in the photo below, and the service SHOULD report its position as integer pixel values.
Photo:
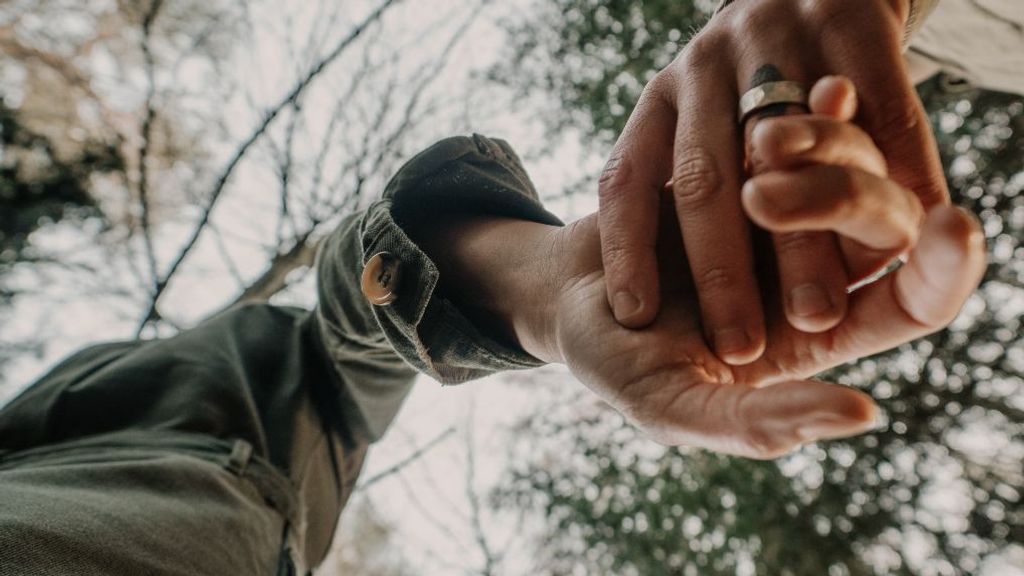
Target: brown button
(380, 279)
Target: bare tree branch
(147, 137)
(397, 466)
(225, 255)
(10, 45)
(332, 127)
(417, 502)
(491, 559)
(257, 133)
(275, 277)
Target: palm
(671, 385)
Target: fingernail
(809, 300)
(625, 305)
(731, 340)
(832, 426)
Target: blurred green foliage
(595, 56)
(936, 490)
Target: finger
(715, 231)
(766, 422)
(862, 262)
(835, 97)
(788, 414)
(924, 295)
(629, 191)
(812, 278)
(871, 210)
(794, 141)
(889, 108)
(832, 97)
(876, 218)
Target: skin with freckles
(545, 289)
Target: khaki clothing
(980, 41)
(232, 447)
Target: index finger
(629, 194)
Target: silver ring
(769, 93)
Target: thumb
(788, 414)
(766, 422)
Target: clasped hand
(817, 172)
(544, 289)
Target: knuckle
(760, 444)
(703, 52)
(832, 15)
(896, 117)
(618, 255)
(612, 175)
(754, 19)
(754, 440)
(797, 242)
(715, 278)
(850, 202)
(696, 178)
(660, 87)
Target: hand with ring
(751, 60)
(668, 381)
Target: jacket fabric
(232, 447)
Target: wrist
(500, 273)
(526, 294)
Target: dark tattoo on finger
(763, 75)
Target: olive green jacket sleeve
(376, 350)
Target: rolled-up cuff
(428, 331)
(466, 175)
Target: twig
(490, 559)
(274, 278)
(336, 115)
(147, 134)
(257, 133)
(397, 466)
(417, 502)
(286, 162)
(225, 255)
